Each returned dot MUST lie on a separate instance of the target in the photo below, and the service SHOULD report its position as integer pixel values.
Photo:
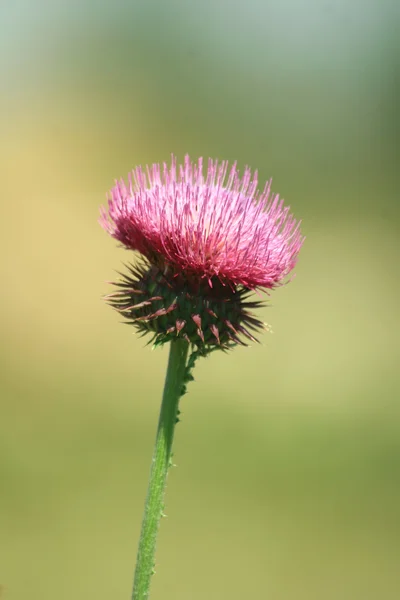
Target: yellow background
(288, 453)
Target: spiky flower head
(207, 241)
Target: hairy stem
(173, 389)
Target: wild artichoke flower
(207, 241)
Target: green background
(288, 453)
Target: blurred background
(288, 453)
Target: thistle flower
(207, 243)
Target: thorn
(197, 320)
(215, 332)
(136, 306)
(247, 334)
(237, 339)
(171, 307)
(180, 324)
(231, 327)
(159, 313)
(118, 293)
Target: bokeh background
(288, 453)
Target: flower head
(208, 239)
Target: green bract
(205, 313)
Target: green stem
(173, 388)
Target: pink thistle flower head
(217, 225)
(211, 237)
